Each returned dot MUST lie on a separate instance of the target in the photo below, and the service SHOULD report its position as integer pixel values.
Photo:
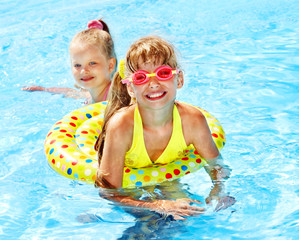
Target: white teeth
(155, 95)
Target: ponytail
(105, 26)
(118, 98)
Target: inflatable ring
(69, 147)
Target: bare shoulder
(122, 123)
(194, 123)
(196, 131)
(191, 115)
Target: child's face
(90, 67)
(155, 93)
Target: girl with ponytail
(93, 62)
(145, 125)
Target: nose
(85, 69)
(153, 82)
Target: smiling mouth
(155, 96)
(86, 79)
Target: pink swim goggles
(162, 73)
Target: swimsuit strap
(137, 155)
(106, 93)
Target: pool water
(240, 60)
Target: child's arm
(68, 92)
(215, 167)
(218, 173)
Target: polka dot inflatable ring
(69, 148)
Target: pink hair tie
(95, 24)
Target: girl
(93, 61)
(144, 125)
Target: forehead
(137, 62)
(79, 46)
(149, 64)
(85, 51)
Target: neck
(98, 94)
(153, 118)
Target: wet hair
(151, 49)
(97, 37)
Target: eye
(92, 63)
(77, 65)
(139, 76)
(164, 73)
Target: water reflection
(149, 224)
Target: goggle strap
(126, 81)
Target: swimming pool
(241, 64)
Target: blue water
(240, 60)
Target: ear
(180, 80)
(111, 62)
(130, 90)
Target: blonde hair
(151, 49)
(97, 37)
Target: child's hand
(179, 208)
(33, 88)
(219, 172)
(222, 202)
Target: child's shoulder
(123, 119)
(120, 128)
(191, 117)
(188, 110)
